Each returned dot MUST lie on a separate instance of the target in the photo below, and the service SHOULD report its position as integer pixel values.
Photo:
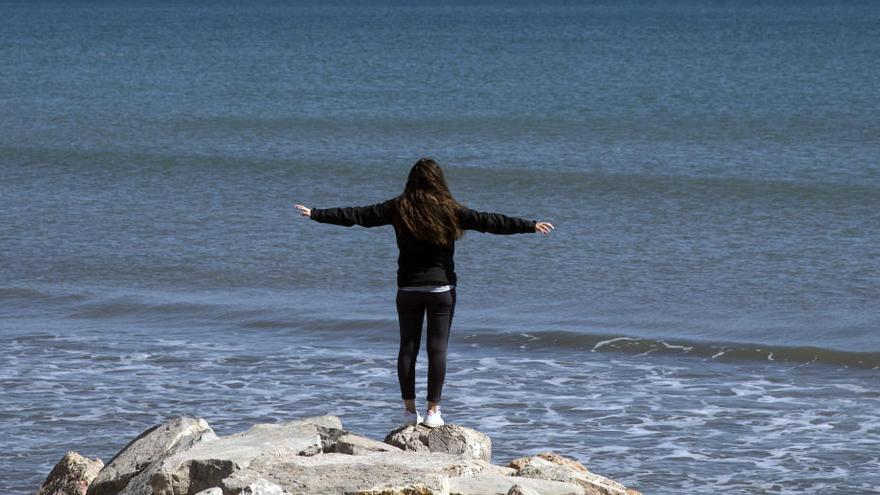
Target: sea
(703, 319)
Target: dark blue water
(711, 168)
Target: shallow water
(648, 421)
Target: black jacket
(422, 263)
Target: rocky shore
(316, 455)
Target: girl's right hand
(306, 212)
(544, 227)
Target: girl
(427, 221)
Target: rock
(329, 438)
(412, 438)
(72, 475)
(450, 439)
(262, 487)
(405, 489)
(372, 472)
(462, 441)
(493, 484)
(352, 444)
(563, 461)
(206, 464)
(150, 446)
(520, 490)
(500, 470)
(315, 456)
(337, 440)
(565, 470)
(311, 450)
(322, 421)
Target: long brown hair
(426, 208)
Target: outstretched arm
(365, 216)
(496, 223)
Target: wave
(132, 308)
(855, 185)
(27, 294)
(717, 351)
(79, 306)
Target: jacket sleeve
(365, 216)
(494, 223)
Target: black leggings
(411, 308)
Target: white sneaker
(433, 419)
(410, 418)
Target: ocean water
(703, 319)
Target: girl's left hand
(544, 227)
(306, 212)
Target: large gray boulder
(206, 464)
(72, 475)
(372, 472)
(550, 466)
(449, 439)
(412, 438)
(150, 446)
(461, 441)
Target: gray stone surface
(521, 490)
(431, 488)
(150, 446)
(502, 470)
(542, 468)
(412, 438)
(460, 440)
(211, 491)
(552, 457)
(262, 487)
(352, 444)
(206, 464)
(494, 484)
(72, 475)
(450, 439)
(342, 473)
(322, 421)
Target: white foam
(611, 341)
(680, 451)
(853, 388)
(558, 381)
(673, 346)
